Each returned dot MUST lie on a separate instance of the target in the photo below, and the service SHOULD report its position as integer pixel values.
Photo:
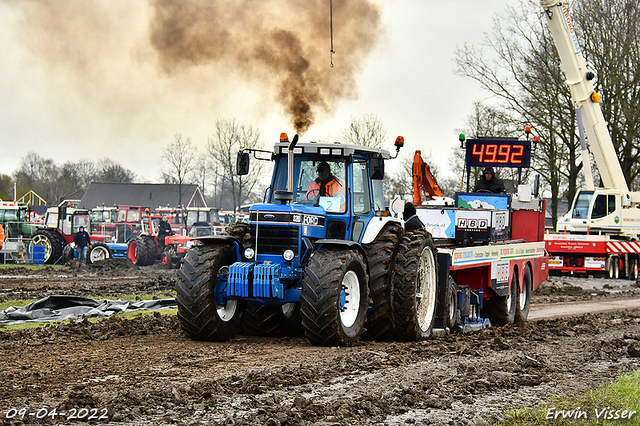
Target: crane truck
(601, 230)
(337, 264)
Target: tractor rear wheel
(53, 244)
(202, 316)
(381, 256)
(415, 286)
(99, 251)
(334, 297)
(501, 310)
(132, 249)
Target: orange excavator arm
(423, 180)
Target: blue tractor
(323, 256)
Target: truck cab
(604, 211)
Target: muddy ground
(145, 371)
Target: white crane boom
(582, 92)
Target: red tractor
(147, 247)
(61, 223)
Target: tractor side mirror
(376, 168)
(242, 164)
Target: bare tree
(6, 187)
(524, 73)
(178, 163)
(108, 171)
(40, 175)
(610, 37)
(367, 130)
(232, 136)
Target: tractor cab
(333, 194)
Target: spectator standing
(83, 242)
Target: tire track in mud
(146, 371)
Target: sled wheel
(415, 285)
(381, 255)
(334, 297)
(452, 314)
(200, 313)
(524, 296)
(99, 251)
(501, 310)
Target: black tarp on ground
(63, 307)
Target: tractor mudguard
(352, 245)
(225, 239)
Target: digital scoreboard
(498, 153)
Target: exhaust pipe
(292, 145)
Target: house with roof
(151, 195)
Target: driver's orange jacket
(332, 188)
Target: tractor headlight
(249, 253)
(288, 255)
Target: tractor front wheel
(334, 297)
(202, 315)
(68, 253)
(99, 251)
(137, 251)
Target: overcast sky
(107, 98)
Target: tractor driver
(326, 184)
(165, 229)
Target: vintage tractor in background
(313, 260)
(146, 249)
(61, 224)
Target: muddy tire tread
(381, 256)
(195, 287)
(320, 297)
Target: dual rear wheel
(514, 308)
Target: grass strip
(616, 403)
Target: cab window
(361, 199)
(599, 207)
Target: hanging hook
(331, 26)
